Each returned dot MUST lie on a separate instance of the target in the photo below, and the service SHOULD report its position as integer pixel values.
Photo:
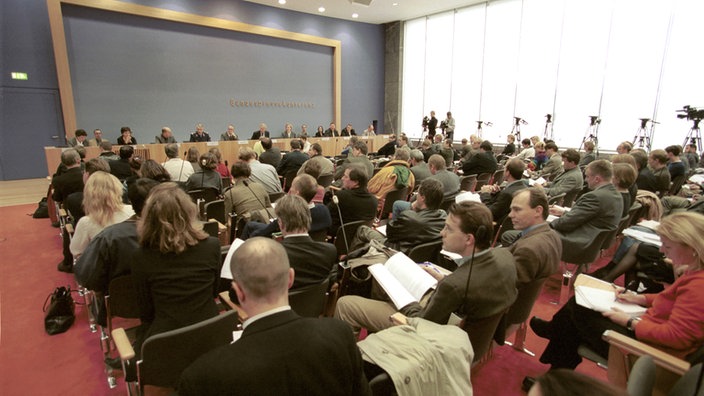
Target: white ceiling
(378, 12)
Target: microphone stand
(336, 200)
(246, 183)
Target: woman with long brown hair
(177, 266)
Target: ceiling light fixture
(282, 2)
(355, 15)
(321, 9)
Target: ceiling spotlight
(394, 4)
(282, 2)
(355, 15)
(321, 9)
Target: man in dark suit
(278, 352)
(121, 168)
(432, 125)
(261, 132)
(355, 201)
(421, 223)
(200, 135)
(596, 211)
(292, 161)
(498, 199)
(68, 182)
(312, 261)
(482, 162)
(229, 135)
(349, 131)
(331, 131)
(419, 167)
(126, 136)
(569, 180)
(271, 154)
(79, 139)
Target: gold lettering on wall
(260, 103)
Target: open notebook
(600, 296)
(403, 280)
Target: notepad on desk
(600, 296)
(402, 279)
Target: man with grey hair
(313, 261)
(419, 167)
(165, 137)
(65, 184)
(200, 135)
(179, 169)
(229, 134)
(308, 356)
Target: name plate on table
(212, 143)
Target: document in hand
(402, 279)
(225, 271)
(600, 296)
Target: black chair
(309, 301)
(498, 176)
(350, 229)
(482, 180)
(520, 311)
(425, 252)
(386, 203)
(325, 180)
(216, 210)
(319, 236)
(273, 197)
(203, 196)
(569, 198)
(120, 302)
(211, 227)
(556, 199)
(676, 184)
(226, 183)
(288, 179)
(448, 200)
(166, 355)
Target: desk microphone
(246, 183)
(336, 200)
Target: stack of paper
(604, 300)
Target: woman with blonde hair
(102, 204)
(674, 317)
(177, 266)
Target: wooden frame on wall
(63, 70)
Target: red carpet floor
(34, 363)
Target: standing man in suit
(596, 211)
(229, 135)
(166, 136)
(432, 125)
(312, 261)
(98, 138)
(79, 139)
(288, 132)
(262, 132)
(331, 131)
(279, 352)
(498, 199)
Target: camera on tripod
(443, 124)
(426, 120)
(691, 113)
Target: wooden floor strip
(20, 192)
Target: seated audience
(624, 177)
(292, 161)
(221, 167)
(657, 162)
(263, 174)
(482, 162)
(492, 285)
(279, 352)
(244, 195)
(589, 154)
(419, 167)
(102, 202)
(176, 268)
(510, 148)
(672, 322)
(121, 168)
(64, 185)
(312, 261)
(396, 174)
(109, 254)
(527, 152)
(271, 154)
(675, 165)
(355, 201)
(357, 155)
(179, 170)
(498, 199)
(389, 148)
(206, 177)
(151, 169)
(448, 153)
(315, 154)
(106, 151)
(553, 165)
(570, 180)
(421, 223)
(193, 157)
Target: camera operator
(448, 126)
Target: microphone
(180, 172)
(246, 183)
(336, 200)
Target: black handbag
(60, 313)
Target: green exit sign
(19, 76)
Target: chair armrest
(122, 343)
(628, 345)
(225, 299)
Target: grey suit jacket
(567, 181)
(594, 212)
(421, 172)
(449, 180)
(362, 160)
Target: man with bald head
(311, 356)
